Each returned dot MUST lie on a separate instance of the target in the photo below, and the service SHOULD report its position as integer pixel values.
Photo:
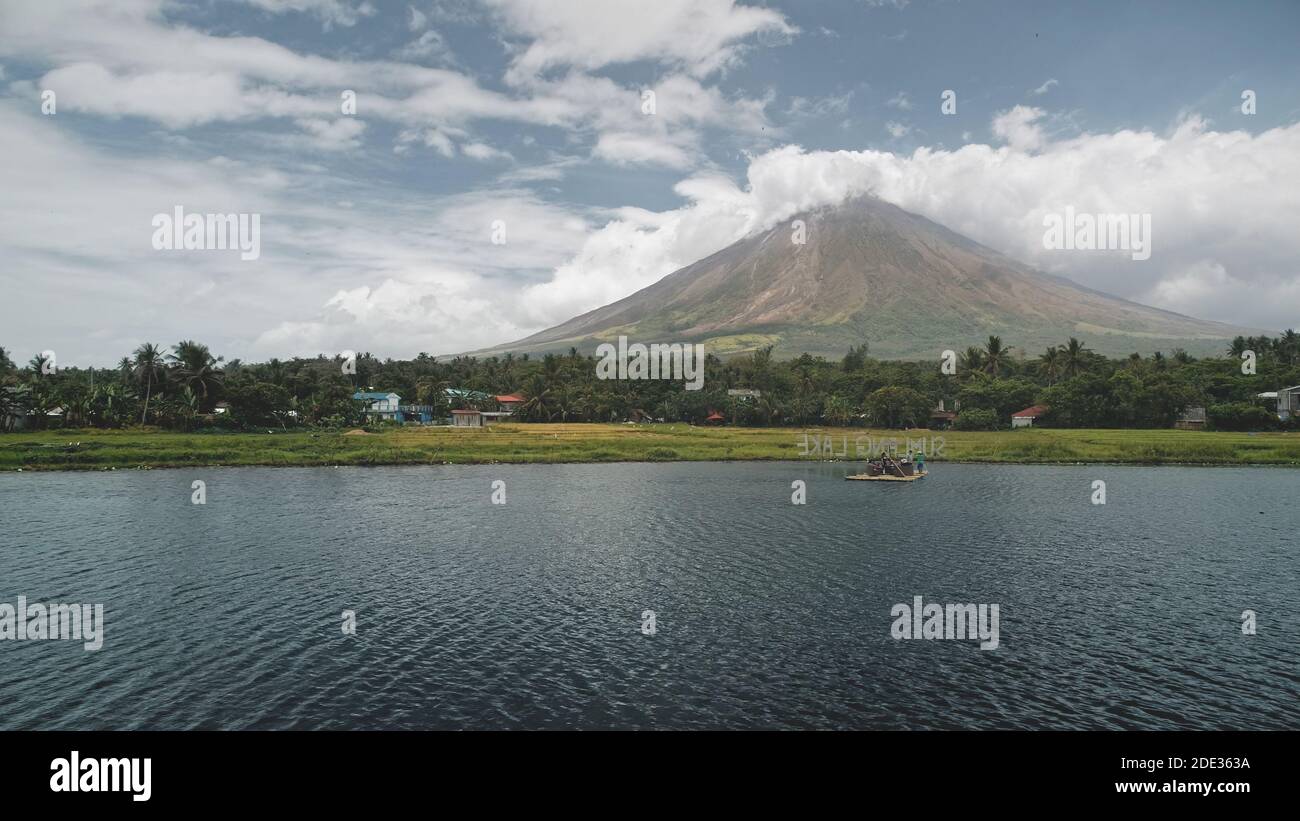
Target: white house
(1288, 402)
(381, 405)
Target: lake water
(767, 614)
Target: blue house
(381, 405)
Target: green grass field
(100, 449)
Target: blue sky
(375, 227)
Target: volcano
(871, 272)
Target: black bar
(214, 770)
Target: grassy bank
(99, 449)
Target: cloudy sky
(377, 227)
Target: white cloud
(1222, 206)
(623, 148)
(553, 169)
(900, 101)
(120, 60)
(332, 12)
(434, 138)
(897, 129)
(339, 134)
(1019, 127)
(827, 106)
(75, 224)
(175, 99)
(484, 152)
(1045, 87)
(430, 46)
(702, 36)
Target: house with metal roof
(381, 405)
(509, 402)
(456, 395)
(464, 418)
(1288, 403)
(1027, 417)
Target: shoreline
(588, 443)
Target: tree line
(183, 388)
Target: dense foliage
(181, 389)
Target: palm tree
(539, 404)
(37, 365)
(14, 403)
(148, 369)
(972, 360)
(804, 368)
(768, 404)
(1074, 357)
(196, 369)
(433, 392)
(994, 355)
(1288, 345)
(1050, 364)
(760, 368)
(1238, 347)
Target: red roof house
(1027, 417)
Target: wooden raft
(863, 477)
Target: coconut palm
(37, 364)
(196, 369)
(760, 368)
(433, 392)
(995, 356)
(148, 370)
(1074, 358)
(14, 402)
(1050, 364)
(1288, 346)
(540, 404)
(971, 360)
